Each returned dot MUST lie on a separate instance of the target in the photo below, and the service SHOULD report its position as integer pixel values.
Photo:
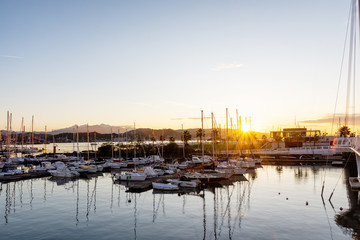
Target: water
(99, 209)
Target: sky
(159, 63)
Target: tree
(344, 131)
(153, 140)
(200, 134)
(162, 138)
(186, 137)
(171, 139)
(171, 149)
(105, 150)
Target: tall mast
(202, 134)
(213, 135)
(351, 58)
(134, 142)
(182, 127)
(162, 144)
(74, 139)
(10, 132)
(7, 134)
(119, 144)
(112, 145)
(45, 138)
(95, 144)
(88, 141)
(32, 134)
(227, 135)
(77, 142)
(237, 120)
(127, 150)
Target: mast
(77, 142)
(7, 134)
(202, 134)
(162, 144)
(227, 135)
(54, 145)
(32, 134)
(10, 132)
(182, 127)
(351, 59)
(134, 142)
(45, 138)
(88, 141)
(119, 144)
(127, 150)
(95, 144)
(112, 145)
(213, 135)
(74, 138)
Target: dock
(354, 183)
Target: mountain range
(100, 128)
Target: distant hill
(102, 128)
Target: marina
(179, 120)
(273, 202)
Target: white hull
(131, 177)
(165, 186)
(187, 184)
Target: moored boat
(165, 186)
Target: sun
(245, 128)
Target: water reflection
(216, 212)
(349, 220)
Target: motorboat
(63, 171)
(165, 186)
(130, 176)
(186, 184)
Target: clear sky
(159, 63)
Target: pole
(95, 144)
(134, 142)
(227, 135)
(22, 134)
(112, 144)
(88, 141)
(45, 138)
(213, 135)
(32, 134)
(182, 127)
(119, 144)
(202, 134)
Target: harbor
(271, 202)
(179, 120)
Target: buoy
(287, 198)
(341, 208)
(129, 200)
(307, 203)
(279, 193)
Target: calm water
(252, 209)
